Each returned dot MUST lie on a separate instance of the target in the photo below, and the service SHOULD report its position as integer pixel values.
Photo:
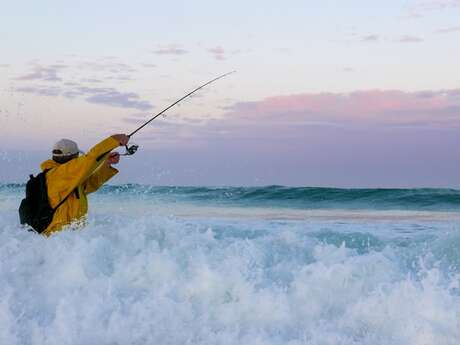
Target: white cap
(65, 147)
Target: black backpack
(35, 209)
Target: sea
(236, 265)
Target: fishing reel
(130, 150)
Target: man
(74, 176)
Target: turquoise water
(271, 265)
(304, 197)
(292, 197)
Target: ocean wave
(169, 280)
(290, 197)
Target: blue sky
(312, 78)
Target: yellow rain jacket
(76, 178)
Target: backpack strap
(63, 200)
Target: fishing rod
(133, 148)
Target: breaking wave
(142, 274)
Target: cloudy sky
(327, 93)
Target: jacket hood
(49, 164)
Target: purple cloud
(106, 69)
(285, 120)
(47, 73)
(106, 96)
(122, 78)
(136, 118)
(170, 50)
(40, 90)
(448, 30)
(106, 66)
(110, 97)
(422, 7)
(410, 39)
(111, 70)
(439, 4)
(370, 38)
(91, 80)
(371, 137)
(120, 99)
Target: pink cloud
(217, 52)
(374, 106)
(290, 121)
(379, 138)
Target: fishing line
(133, 148)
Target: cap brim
(66, 155)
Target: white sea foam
(158, 278)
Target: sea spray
(167, 268)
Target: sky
(326, 93)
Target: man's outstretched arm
(75, 172)
(103, 174)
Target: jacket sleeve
(66, 177)
(98, 178)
